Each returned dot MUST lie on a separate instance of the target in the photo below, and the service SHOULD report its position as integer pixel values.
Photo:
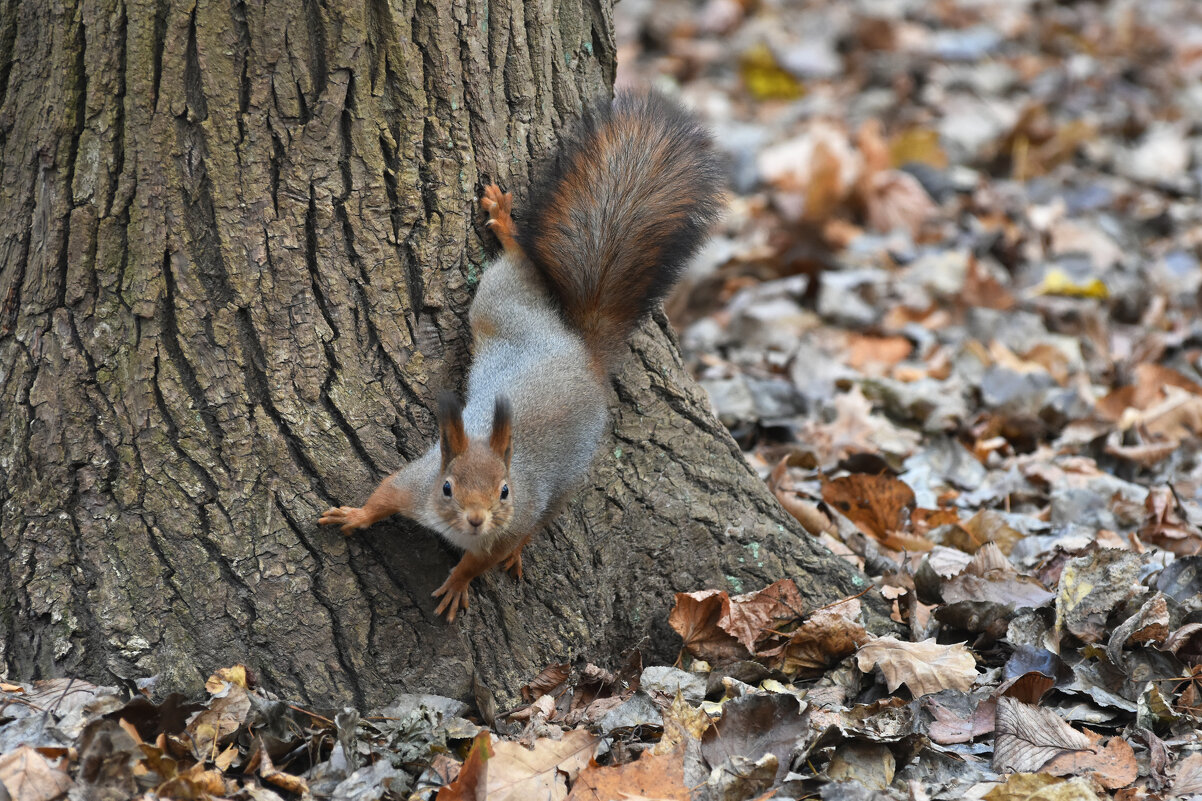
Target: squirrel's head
(474, 498)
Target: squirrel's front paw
(456, 597)
(349, 517)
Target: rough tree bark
(237, 245)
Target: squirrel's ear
(501, 439)
(451, 436)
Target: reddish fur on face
(476, 478)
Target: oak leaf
(924, 667)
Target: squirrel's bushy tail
(627, 203)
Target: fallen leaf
(1149, 624)
(1187, 777)
(696, 616)
(1041, 787)
(517, 773)
(868, 352)
(752, 614)
(823, 639)
(924, 667)
(765, 79)
(1057, 282)
(755, 725)
(917, 146)
(952, 722)
(1112, 766)
(218, 682)
(658, 776)
(26, 775)
(867, 764)
(1091, 587)
(1028, 737)
(469, 781)
(212, 727)
(879, 505)
(548, 679)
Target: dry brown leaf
(548, 679)
(894, 199)
(812, 519)
(658, 776)
(1163, 525)
(516, 773)
(221, 720)
(273, 775)
(1149, 624)
(870, 353)
(924, 667)
(880, 506)
(1028, 737)
(696, 616)
(1112, 766)
(823, 639)
(683, 723)
(716, 627)
(1149, 389)
(1178, 416)
(824, 193)
(952, 726)
(1041, 787)
(982, 290)
(985, 526)
(1187, 777)
(26, 775)
(1145, 454)
(469, 779)
(990, 576)
(753, 614)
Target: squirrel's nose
(476, 519)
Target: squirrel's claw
(456, 598)
(348, 517)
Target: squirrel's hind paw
(499, 206)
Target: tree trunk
(237, 247)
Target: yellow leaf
(917, 145)
(765, 78)
(1058, 282)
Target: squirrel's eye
(446, 488)
(504, 491)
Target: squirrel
(626, 203)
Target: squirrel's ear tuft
(452, 438)
(501, 439)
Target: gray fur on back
(525, 352)
(529, 355)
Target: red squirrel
(626, 203)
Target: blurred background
(962, 228)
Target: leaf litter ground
(953, 321)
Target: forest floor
(952, 317)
